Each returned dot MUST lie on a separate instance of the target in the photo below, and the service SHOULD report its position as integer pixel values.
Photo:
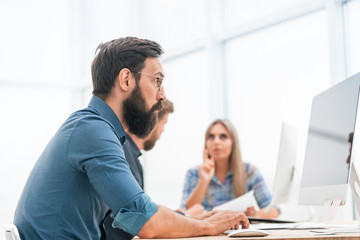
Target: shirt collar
(227, 179)
(106, 112)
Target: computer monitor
(329, 156)
(286, 163)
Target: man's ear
(124, 79)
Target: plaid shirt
(224, 192)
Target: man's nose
(161, 96)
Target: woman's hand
(267, 212)
(250, 211)
(206, 171)
(195, 210)
(207, 168)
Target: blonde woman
(223, 176)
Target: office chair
(11, 232)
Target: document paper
(238, 204)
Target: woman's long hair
(237, 166)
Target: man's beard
(149, 143)
(139, 121)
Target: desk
(282, 235)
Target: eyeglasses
(158, 80)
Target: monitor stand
(354, 182)
(334, 205)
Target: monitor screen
(329, 141)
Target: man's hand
(222, 220)
(169, 224)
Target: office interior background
(257, 63)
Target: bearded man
(82, 173)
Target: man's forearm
(168, 224)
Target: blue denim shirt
(81, 174)
(224, 192)
(132, 154)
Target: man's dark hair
(167, 107)
(112, 56)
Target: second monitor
(286, 163)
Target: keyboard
(266, 220)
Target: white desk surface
(285, 234)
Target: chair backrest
(11, 232)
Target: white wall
(271, 60)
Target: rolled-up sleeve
(133, 217)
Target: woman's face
(219, 143)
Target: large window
(34, 44)
(272, 76)
(174, 23)
(246, 12)
(353, 8)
